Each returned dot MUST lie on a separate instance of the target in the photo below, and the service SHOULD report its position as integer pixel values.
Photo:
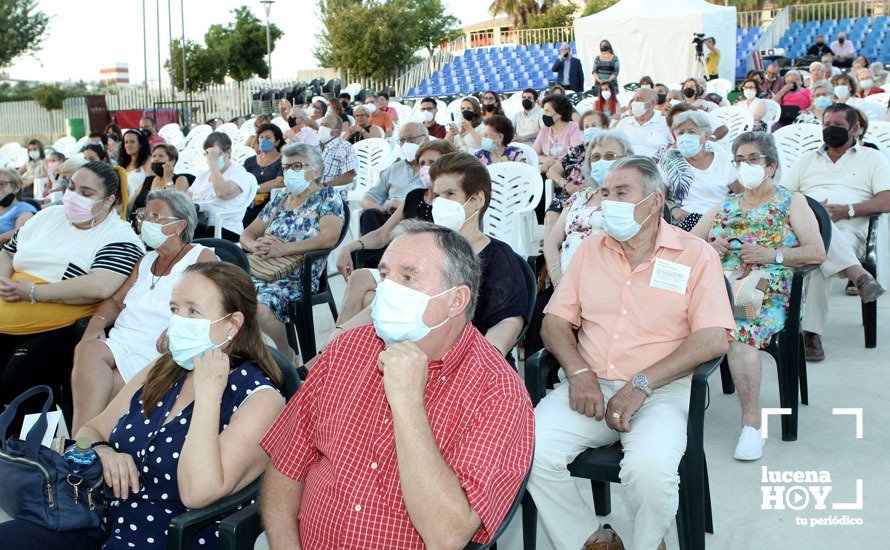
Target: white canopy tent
(654, 37)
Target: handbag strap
(275, 213)
(35, 436)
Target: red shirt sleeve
(290, 442)
(495, 455)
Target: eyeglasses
(753, 158)
(7, 184)
(154, 217)
(294, 166)
(596, 157)
(402, 141)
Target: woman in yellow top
(54, 271)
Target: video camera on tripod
(698, 39)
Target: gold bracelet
(104, 320)
(579, 371)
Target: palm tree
(520, 10)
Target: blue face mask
(220, 162)
(599, 169)
(188, 338)
(591, 133)
(487, 144)
(689, 145)
(822, 102)
(295, 181)
(266, 145)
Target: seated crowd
(413, 428)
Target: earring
(229, 337)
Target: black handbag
(36, 483)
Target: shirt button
(373, 465)
(611, 366)
(628, 283)
(623, 312)
(386, 420)
(358, 508)
(616, 336)
(442, 379)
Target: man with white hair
(650, 304)
(339, 156)
(396, 181)
(647, 129)
(843, 51)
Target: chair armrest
(184, 527)
(870, 261)
(695, 426)
(537, 370)
(241, 529)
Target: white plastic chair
(872, 110)
(585, 105)
(229, 129)
(191, 161)
(516, 189)
(17, 158)
(281, 123)
(773, 113)
(881, 99)
(719, 86)
(240, 153)
(195, 138)
(218, 217)
(512, 105)
(624, 98)
(878, 132)
(795, 139)
(737, 120)
(66, 145)
(372, 156)
(531, 157)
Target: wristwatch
(851, 212)
(780, 258)
(641, 383)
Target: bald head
(414, 129)
(645, 95)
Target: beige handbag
(274, 269)
(748, 289)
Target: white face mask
(638, 108)
(428, 116)
(607, 94)
(842, 92)
(750, 94)
(34, 154)
(324, 134)
(397, 312)
(619, 221)
(450, 214)
(751, 175)
(868, 84)
(409, 151)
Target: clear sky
(85, 36)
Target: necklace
(154, 281)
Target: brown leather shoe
(812, 345)
(662, 546)
(869, 289)
(616, 543)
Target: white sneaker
(750, 445)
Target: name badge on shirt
(670, 276)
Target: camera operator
(712, 61)
(568, 70)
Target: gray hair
(648, 170)
(829, 87)
(309, 153)
(764, 141)
(697, 118)
(421, 128)
(362, 108)
(17, 183)
(181, 206)
(72, 165)
(338, 122)
(461, 265)
(877, 68)
(794, 72)
(218, 138)
(600, 139)
(815, 64)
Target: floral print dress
(582, 220)
(291, 226)
(768, 225)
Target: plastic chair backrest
(516, 188)
(585, 105)
(881, 99)
(369, 154)
(531, 157)
(281, 123)
(624, 98)
(226, 251)
(195, 138)
(736, 119)
(229, 129)
(879, 133)
(795, 139)
(824, 221)
(240, 153)
(512, 105)
(773, 112)
(531, 287)
(291, 380)
(872, 110)
(719, 86)
(66, 145)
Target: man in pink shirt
(383, 106)
(651, 304)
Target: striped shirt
(50, 248)
(339, 158)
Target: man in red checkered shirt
(410, 432)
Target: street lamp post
(267, 6)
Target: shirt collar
(665, 238)
(822, 150)
(457, 353)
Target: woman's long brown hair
(238, 294)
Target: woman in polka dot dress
(184, 432)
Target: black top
(415, 207)
(503, 293)
(819, 49)
(141, 198)
(263, 173)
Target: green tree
(557, 16)
(203, 67)
(596, 6)
(23, 31)
(241, 45)
(49, 96)
(375, 38)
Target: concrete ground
(850, 377)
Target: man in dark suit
(568, 70)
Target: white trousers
(847, 244)
(652, 452)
